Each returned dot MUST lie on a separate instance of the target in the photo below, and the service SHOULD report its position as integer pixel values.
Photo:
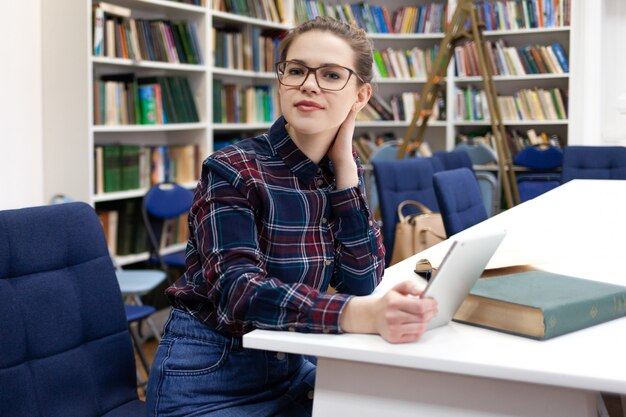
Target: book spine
(569, 318)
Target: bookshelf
(70, 67)
(560, 32)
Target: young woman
(276, 220)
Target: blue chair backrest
(593, 162)
(538, 158)
(65, 349)
(396, 181)
(453, 160)
(480, 154)
(167, 200)
(459, 199)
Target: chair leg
(139, 350)
(155, 330)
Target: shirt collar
(294, 158)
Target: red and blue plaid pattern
(269, 234)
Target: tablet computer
(460, 269)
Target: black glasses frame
(314, 69)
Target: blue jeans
(199, 372)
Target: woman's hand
(340, 154)
(399, 316)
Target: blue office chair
(593, 162)
(459, 199)
(64, 345)
(396, 181)
(135, 283)
(487, 181)
(164, 203)
(542, 161)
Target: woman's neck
(314, 146)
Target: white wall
(21, 162)
(613, 75)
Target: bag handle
(426, 230)
(417, 204)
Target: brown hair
(355, 37)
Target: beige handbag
(416, 232)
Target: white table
(460, 370)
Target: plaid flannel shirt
(268, 234)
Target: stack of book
(524, 14)
(404, 63)
(234, 103)
(130, 167)
(526, 104)
(426, 18)
(271, 10)
(117, 35)
(250, 50)
(123, 99)
(508, 60)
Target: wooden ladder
(455, 34)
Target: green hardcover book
(555, 103)
(126, 227)
(217, 100)
(378, 60)
(147, 104)
(112, 168)
(130, 167)
(541, 305)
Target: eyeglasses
(327, 77)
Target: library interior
(487, 148)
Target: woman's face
(309, 109)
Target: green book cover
(555, 103)
(540, 304)
(378, 59)
(147, 103)
(112, 168)
(130, 167)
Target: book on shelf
(509, 60)
(525, 104)
(523, 14)
(130, 167)
(540, 304)
(252, 49)
(123, 99)
(270, 10)
(425, 18)
(109, 221)
(120, 36)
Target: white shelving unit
(507, 85)
(69, 69)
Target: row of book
(426, 18)
(526, 104)
(117, 35)
(234, 103)
(403, 63)
(123, 99)
(509, 60)
(400, 107)
(524, 14)
(130, 167)
(192, 2)
(125, 232)
(251, 50)
(517, 140)
(270, 10)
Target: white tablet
(460, 269)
